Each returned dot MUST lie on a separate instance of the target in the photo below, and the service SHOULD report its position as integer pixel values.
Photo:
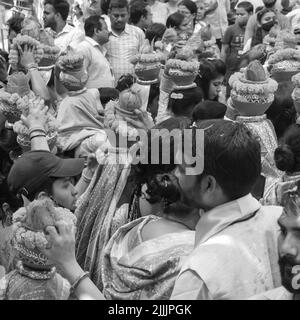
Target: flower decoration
(18, 83)
(29, 237)
(296, 91)
(252, 90)
(147, 64)
(184, 68)
(23, 40)
(285, 60)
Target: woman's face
(200, 11)
(215, 87)
(64, 193)
(269, 16)
(188, 16)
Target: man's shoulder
(133, 29)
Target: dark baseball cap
(33, 169)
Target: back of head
(137, 10)
(175, 20)
(182, 102)
(105, 6)
(282, 112)
(231, 155)
(60, 6)
(207, 110)
(155, 32)
(287, 155)
(92, 23)
(15, 23)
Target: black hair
(261, 13)
(175, 20)
(232, 155)
(183, 102)
(208, 71)
(46, 187)
(125, 82)
(15, 23)
(155, 32)
(118, 4)
(104, 6)
(108, 94)
(60, 6)
(207, 110)
(191, 6)
(137, 10)
(287, 155)
(161, 184)
(92, 23)
(282, 112)
(259, 8)
(248, 6)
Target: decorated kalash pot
(15, 98)
(296, 92)
(183, 69)
(147, 65)
(122, 135)
(50, 127)
(35, 277)
(285, 62)
(251, 95)
(72, 75)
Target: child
(233, 40)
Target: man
(252, 22)
(216, 16)
(235, 253)
(96, 64)
(289, 249)
(125, 40)
(55, 17)
(140, 15)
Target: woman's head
(182, 102)
(266, 19)
(38, 173)
(155, 32)
(211, 77)
(287, 155)
(282, 112)
(189, 10)
(175, 21)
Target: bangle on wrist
(37, 135)
(31, 66)
(38, 129)
(77, 281)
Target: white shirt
(160, 12)
(98, 68)
(68, 37)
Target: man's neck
(60, 26)
(118, 32)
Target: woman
(189, 10)
(266, 19)
(210, 79)
(287, 159)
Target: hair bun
(284, 158)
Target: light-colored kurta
(233, 259)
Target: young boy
(233, 40)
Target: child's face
(242, 16)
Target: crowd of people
(149, 150)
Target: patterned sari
(142, 270)
(97, 215)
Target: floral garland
(287, 59)
(22, 40)
(26, 234)
(116, 122)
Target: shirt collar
(219, 218)
(67, 28)
(126, 30)
(92, 42)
